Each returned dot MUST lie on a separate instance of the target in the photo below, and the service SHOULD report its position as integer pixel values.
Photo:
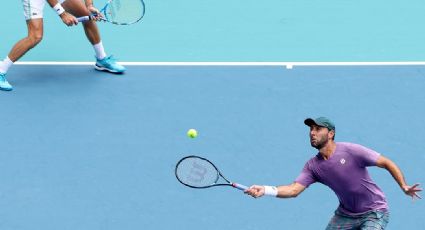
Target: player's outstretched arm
(283, 191)
(395, 171)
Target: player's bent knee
(35, 39)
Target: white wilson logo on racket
(197, 173)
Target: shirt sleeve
(364, 156)
(306, 177)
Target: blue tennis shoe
(109, 64)
(4, 85)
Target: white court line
(287, 64)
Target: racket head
(198, 172)
(123, 12)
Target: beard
(318, 143)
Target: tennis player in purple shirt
(342, 167)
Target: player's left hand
(412, 191)
(94, 11)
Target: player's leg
(103, 62)
(35, 35)
(376, 220)
(33, 11)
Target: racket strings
(125, 11)
(196, 172)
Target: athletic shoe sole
(6, 89)
(100, 68)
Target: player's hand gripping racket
(198, 172)
(120, 12)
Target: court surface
(83, 150)
(223, 31)
(87, 150)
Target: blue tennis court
(87, 150)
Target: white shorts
(34, 8)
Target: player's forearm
(286, 191)
(396, 173)
(52, 3)
(57, 7)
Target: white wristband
(270, 190)
(59, 9)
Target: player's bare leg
(103, 62)
(35, 35)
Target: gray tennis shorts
(373, 220)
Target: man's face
(319, 136)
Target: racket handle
(239, 186)
(83, 19)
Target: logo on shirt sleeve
(342, 161)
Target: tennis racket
(198, 172)
(120, 12)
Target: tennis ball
(192, 133)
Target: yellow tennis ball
(192, 133)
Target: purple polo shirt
(346, 174)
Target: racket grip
(239, 186)
(83, 19)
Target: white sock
(100, 51)
(5, 65)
